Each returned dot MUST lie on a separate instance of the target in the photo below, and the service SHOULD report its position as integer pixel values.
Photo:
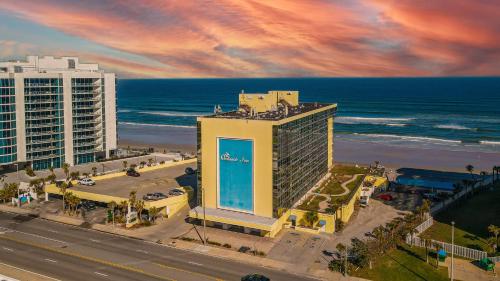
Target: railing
(425, 225)
(465, 252)
(495, 259)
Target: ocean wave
(410, 138)
(154, 125)
(495, 143)
(371, 120)
(123, 110)
(396, 125)
(453, 127)
(174, 113)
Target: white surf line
(49, 260)
(34, 235)
(142, 251)
(101, 274)
(195, 263)
(8, 249)
(22, 269)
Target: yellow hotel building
(256, 162)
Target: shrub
(213, 243)
(243, 249)
(226, 245)
(187, 239)
(29, 171)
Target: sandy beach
(347, 150)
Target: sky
(260, 38)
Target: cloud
(257, 38)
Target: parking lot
(162, 180)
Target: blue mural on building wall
(236, 174)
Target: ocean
(449, 113)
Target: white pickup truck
(364, 198)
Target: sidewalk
(466, 270)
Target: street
(73, 253)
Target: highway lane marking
(22, 269)
(8, 249)
(102, 274)
(95, 241)
(87, 258)
(142, 251)
(187, 271)
(34, 235)
(49, 260)
(53, 231)
(195, 263)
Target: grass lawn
(403, 264)
(340, 170)
(472, 218)
(312, 203)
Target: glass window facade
(88, 118)
(300, 157)
(44, 122)
(8, 148)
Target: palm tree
(495, 230)
(483, 177)
(74, 175)
(310, 218)
(139, 207)
(343, 256)
(112, 206)
(132, 198)
(94, 171)
(150, 161)
(125, 163)
(62, 190)
(470, 169)
(153, 212)
(65, 167)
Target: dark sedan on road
(133, 173)
(255, 277)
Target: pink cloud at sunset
(278, 38)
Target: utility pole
(452, 247)
(204, 216)
(18, 185)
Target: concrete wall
(110, 103)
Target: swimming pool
(443, 185)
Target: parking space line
(142, 251)
(102, 274)
(195, 263)
(49, 260)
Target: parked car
(160, 195)
(189, 171)
(149, 197)
(255, 277)
(88, 205)
(86, 181)
(176, 192)
(386, 197)
(133, 173)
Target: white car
(86, 181)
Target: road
(66, 252)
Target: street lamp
(452, 247)
(18, 184)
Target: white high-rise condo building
(55, 111)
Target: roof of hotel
(279, 113)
